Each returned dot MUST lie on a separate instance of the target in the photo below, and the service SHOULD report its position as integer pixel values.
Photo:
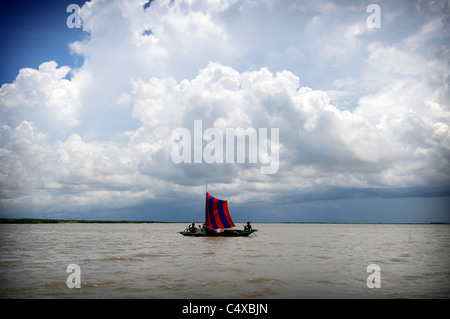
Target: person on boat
(248, 227)
(192, 229)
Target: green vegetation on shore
(66, 221)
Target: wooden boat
(224, 233)
(218, 222)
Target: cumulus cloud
(67, 174)
(103, 137)
(44, 95)
(320, 144)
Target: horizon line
(7, 220)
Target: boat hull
(225, 233)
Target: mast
(206, 203)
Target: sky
(353, 95)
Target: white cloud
(43, 95)
(70, 174)
(384, 123)
(320, 144)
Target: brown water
(279, 261)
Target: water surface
(279, 261)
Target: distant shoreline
(87, 221)
(72, 221)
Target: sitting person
(248, 227)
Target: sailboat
(218, 221)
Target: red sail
(217, 214)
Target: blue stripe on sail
(222, 216)
(211, 213)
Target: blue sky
(35, 31)
(87, 115)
